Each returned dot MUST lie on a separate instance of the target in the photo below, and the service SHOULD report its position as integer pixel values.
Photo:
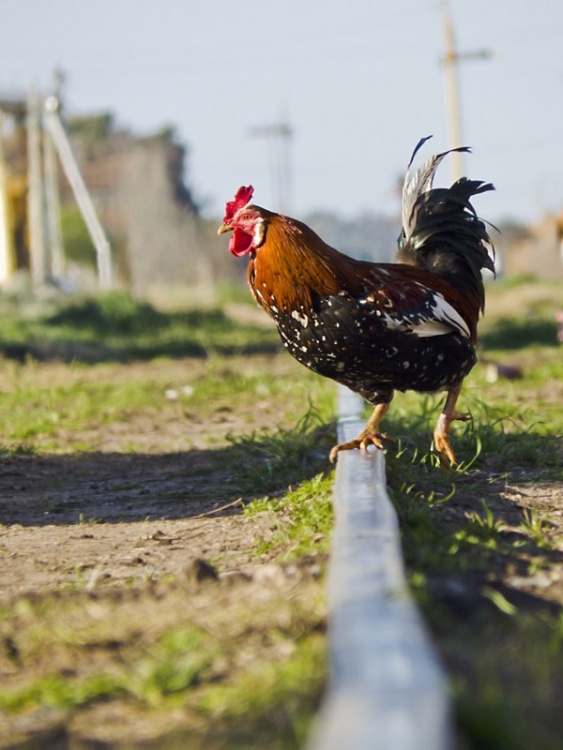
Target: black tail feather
(441, 230)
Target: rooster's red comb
(243, 196)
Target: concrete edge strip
(387, 689)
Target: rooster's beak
(225, 228)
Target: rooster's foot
(362, 442)
(445, 451)
(442, 440)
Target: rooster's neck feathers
(294, 264)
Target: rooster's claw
(441, 433)
(362, 442)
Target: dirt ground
(118, 515)
(110, 520)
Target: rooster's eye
(246, 216)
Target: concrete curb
(387, 688)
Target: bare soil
(140, 534)
(122, 514)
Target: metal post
(70, 166)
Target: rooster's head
(245, 221)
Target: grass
(270, 460)
(465, 547)
(519, 423)
(30, 413)
(304, 518)
(49, 412)
(114, 328)
(520, 333)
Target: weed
(180, 659)
(534, 524)
(499, 601)
(488, 526)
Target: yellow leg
(441, 433)
(370, 435)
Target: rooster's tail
(441, 230)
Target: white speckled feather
(445, 319)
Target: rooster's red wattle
(377, 327)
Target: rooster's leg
(370, 435)
(441, 438)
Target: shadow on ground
(116, 327)
(70, 350)
(517, 333)
(44, 489)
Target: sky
(358, 81)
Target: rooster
(377, 327)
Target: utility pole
(450, 60)
(35, 191)
(280, 134)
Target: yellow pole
(6, 219)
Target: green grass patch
(304, 518)
(272, 460)
(58, 691)
(273, 702)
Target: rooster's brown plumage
(376, 327)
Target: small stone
(199, 570)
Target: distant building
(534, 249)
